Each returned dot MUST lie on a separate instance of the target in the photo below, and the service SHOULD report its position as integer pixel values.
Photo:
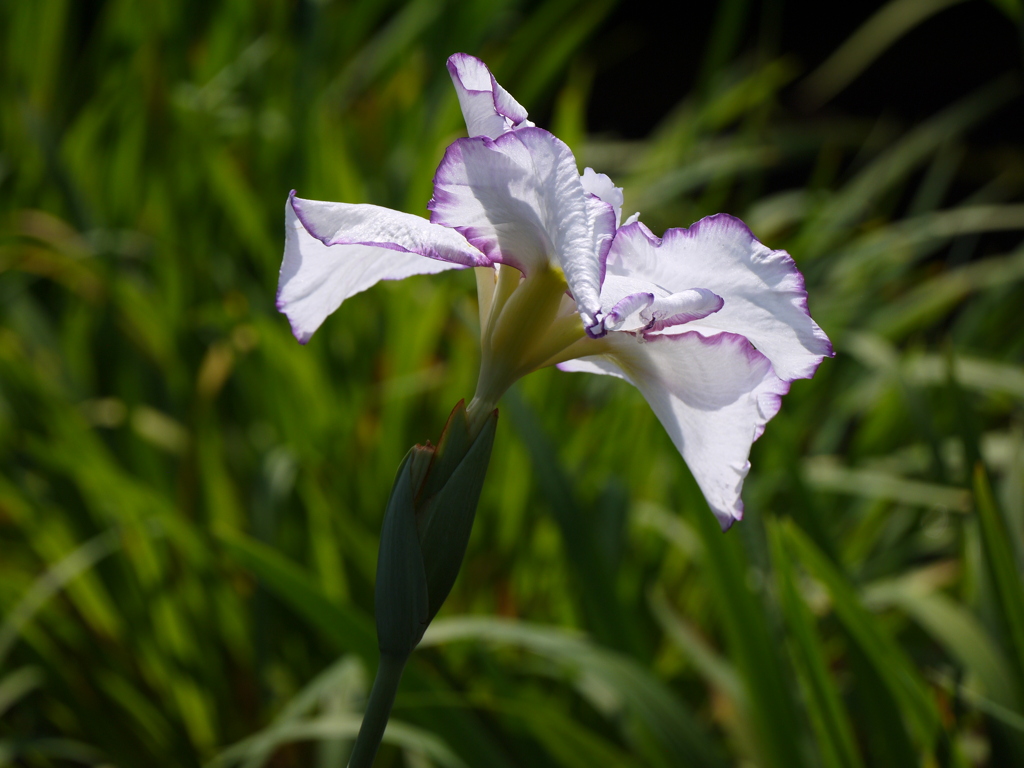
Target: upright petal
(601, 186)
(316, 278)
(713, 395)
(763, 291)
(519, 200)
(488, 108)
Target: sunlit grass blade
(399, 734)
(609, 619)
(659, 726)
(711, 665)
(569, 743)
(17, 684)
(352, 632)
(51, 582)
(750, 641)
(881, 651)
(951, 625)
(17, 752)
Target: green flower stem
(378, 708)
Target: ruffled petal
(519, 200)
(713, 395)
(348, 224)
(488, 108)
(764, 295)
(316, 278)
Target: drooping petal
(519, 200)
(315, 278)
(713, 395)
(348, 224)
(764, 295)
(488, 108)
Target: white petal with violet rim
(763, 291)
(489, 110)
(713, 395)
(349, 224)
(519, 200)
(315, 278)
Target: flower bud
(426, 529)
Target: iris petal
(315, 278)
(519, 199)
(713, 395)
(763, 291)
(488, 108)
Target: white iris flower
(708, 323)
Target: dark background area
(640, 54)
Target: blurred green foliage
(190, 501)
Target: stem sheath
(378, 708)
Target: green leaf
(579, 527)
(656, 721)
(953, 626)
(352, 631)
(344, 726)
(889, 660)
(349, 629)
(16, 685)
(772, 709)
(1006, 576)
(824, 705)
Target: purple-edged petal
(348, 224)
(764, 294)
(682, 307)
(315, 278)
(488, 108)
(626, 310)
(519, 200)
(713, 395)
(602, 187)
(625, 313)
(602, 222)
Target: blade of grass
(1004, 572)
(824, 704)
(751, 643)
(667, 727)
(889, 660)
